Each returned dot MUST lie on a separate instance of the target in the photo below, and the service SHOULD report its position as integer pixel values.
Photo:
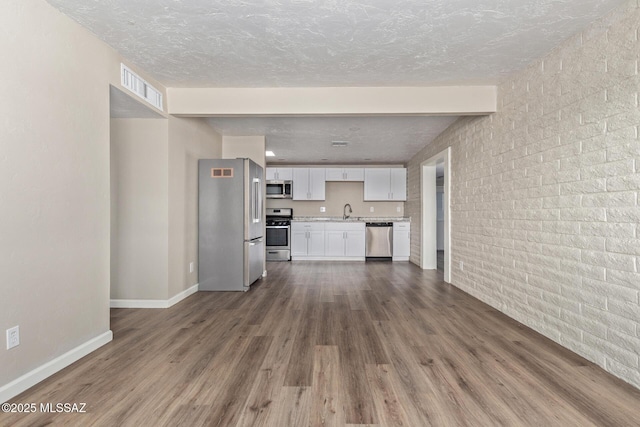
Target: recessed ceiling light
(270, 154)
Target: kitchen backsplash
(337, 195)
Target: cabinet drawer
(344, 226)
(307, 226)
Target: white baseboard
(153, 303)
(182, 295)
(42, 372)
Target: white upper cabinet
(279, 174)
(384, 184)
(308, 183)
(377, 184)
(398, 186)
(345, 174)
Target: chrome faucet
(346, 214)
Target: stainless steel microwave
(279, 189)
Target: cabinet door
(271, 173)
(334, 243)
(334, 174)
(377, 184)
(301, 184)
(317, 183)
(398, 184)
(298, 242)
(355, 244)
(315, 246)
(401, 239)
(354, 174)
(285, 174)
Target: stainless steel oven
(278, 226)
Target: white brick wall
(544, 199)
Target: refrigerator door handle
(257, 200)
(256, 241)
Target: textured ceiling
(303, 43)
(308, 139)
(265, 43)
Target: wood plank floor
(332, 344)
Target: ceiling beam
(332, 101)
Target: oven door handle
(277, 226)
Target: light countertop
(351, 219)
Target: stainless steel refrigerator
(230, 224)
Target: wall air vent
(137, 85)
(339, 143)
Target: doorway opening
(435, 184)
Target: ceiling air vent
(339, 143)
(137, 85)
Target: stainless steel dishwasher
(379, 239)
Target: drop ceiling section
(301, 140)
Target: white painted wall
(252, 147)
(140, 222)
(545, 196)
(54, 184)
(189, 140)
(155, 196)
(54, 190)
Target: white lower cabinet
(328, 241)
(307, 239)
(401, 241)
(342, 241)
(345, 240)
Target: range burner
(278, 221)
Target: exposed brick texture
(544, 200)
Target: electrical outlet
(371, 209)
(323, 209)
(398, 209)
(13, 337)
(191, 267)
(461, 266)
